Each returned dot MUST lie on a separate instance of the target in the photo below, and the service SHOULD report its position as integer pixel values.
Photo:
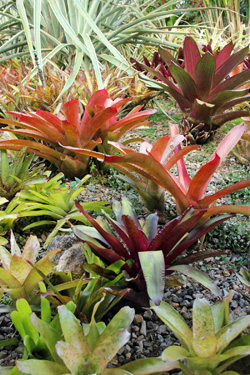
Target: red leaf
(113, 242)
(89, 128)
(137, 237)
(194, 235)
(223, 71)
(201, 179)
(71, 112)
(224, 54)
(191, 55)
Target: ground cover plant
(77, 326)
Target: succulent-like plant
(202, 88)
(34, 346)
(88, 348)
(151, 193)
(18, 277)
(7, 217)
(17, 175)
(212, 345)
(186, 191)
(97, 125)
(57, 200)
(139, 244)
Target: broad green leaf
(73, 332)
(153, 267)
(6, 278)
(9, 342)
(231, 331)
(149, 366)
(199, 276)
(203, 322)
(205, 347)
(218, 310)
(45, 305)
(176, 323)
(234, 352)
(49, 335)
(71, 357)
(174, 353)
(115, 371)
(22, 320)
(4, 170)
(35, 367)
(107, 347)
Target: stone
(70, 258)
(138, 319)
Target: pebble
(137, 319)
(143, 329)
(148, 314)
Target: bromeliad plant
(87, 349)
(202, 88)
(155, 167)
(129, 240)
(56, 200)
(97, 125)
(18, 277)
(209, 349)
(151, 192)
(16, 176)
(7, 217)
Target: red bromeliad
(202, 86)
(155, 166)
(97, 125)
(129, 240)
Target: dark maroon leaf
(184, 81)
(224, 54)
(226, 68)
(166, 56)
(232, 83)
(113, 242)
(194, 235)
(219, 120)
(204, 75)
